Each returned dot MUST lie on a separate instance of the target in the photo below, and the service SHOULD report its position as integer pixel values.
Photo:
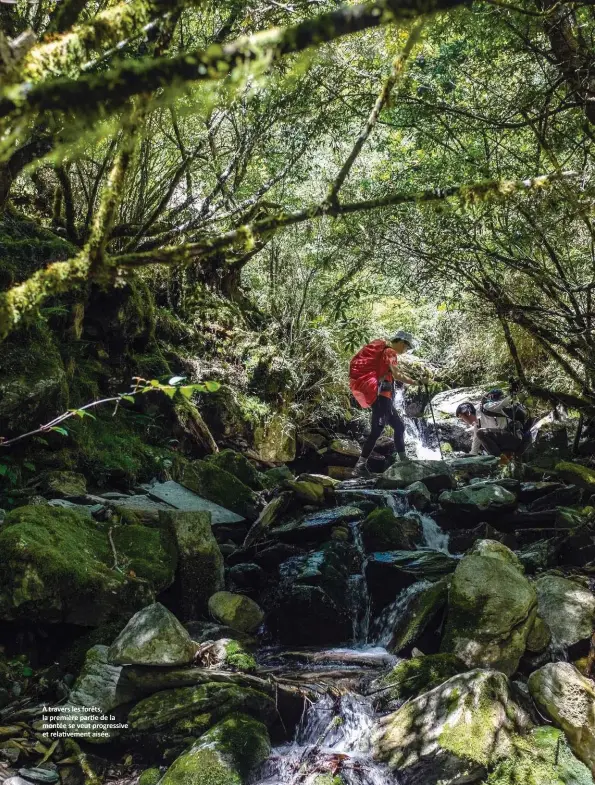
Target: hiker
(372, 376)
(500, 428)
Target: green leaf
(27, 671)
(129, 398)
(212, 386)
(58, 429)
(187, 390)
(30, 466)
(154, 383)
(169, 391)
(3, 469)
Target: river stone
(418, 496)
(225, 755)
(153, 636)
(200, 570)
(452, 733)
(567, 607)
(383, 531)
(491, 609)
(421, 615)
(568, 698)
(474, 466)
(101, 684)
(236, 611)
(477, 501)
(36, 774)
(317, 527)
(435, 475)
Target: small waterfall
(383, 627)
(416, 440)
(334, 736)
(359, 597)
(434, 537)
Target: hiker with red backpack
(372, 376)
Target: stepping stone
(175, 495)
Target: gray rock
(100, 684)
(568, 698)
(474, 466)
(347, 447)
(452, 733)
(317, 527)
(153, 636)
(567, 607)
(418, 496)
(36, 774)
(181, 498)
(491, 609)
(435, 475)
(200, 563)
(477, 501)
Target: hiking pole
(434, 421)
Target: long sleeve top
(491, 416)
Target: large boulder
(577, 474)
(414, 623)
(153, 636)
(452, 733)
(568, 699)
(57, 565)
(225, 755)
(383, 531)
(236, 611)
(237, 464)
(412, 677)
(568, 609)
(473, 466)
(200, 571)
(435, 475)
(481, 501)
(491, 609)
(101, 684)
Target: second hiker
(372, 376)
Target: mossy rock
(383, 531)
(148, 552)
(64, 483)
(410, 678)
(225, 755)
(236, 611)
(277, 477)
(422, 614)
(56, 566)
(217, 485)
(238, 657)
(149, 777)
(34, 385)
(577, 474)
(543, 757)
(237, 464)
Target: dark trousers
(383, 414)
(495, 441)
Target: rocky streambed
(430, 625)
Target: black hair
(465, 408)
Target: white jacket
(490, 416)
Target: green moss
(383, 531)
(221, 487)
(577, 473)
(237, 657)
(420, 674)
(541, 758)
(237, 464)
(149, 552)
(149, 777)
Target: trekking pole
(434, 421)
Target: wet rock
(452, 733)
(410, 678)
(56, 565)
(207, 479)
(419, 617)
(477, 502)
(383, 531)
(64, 484)
(37, 774)
(491, 609)
(565, 496)
(418, 496)
(474, 466)
(317, 527)
(568, 699)
(200, 570)
(435, 475)
(568, 609)
(236, 611)
(539, 555)
(531, 491)
(389, 572)
(226, 754)
(454, 433)
(153, 636)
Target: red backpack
(366, 369)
